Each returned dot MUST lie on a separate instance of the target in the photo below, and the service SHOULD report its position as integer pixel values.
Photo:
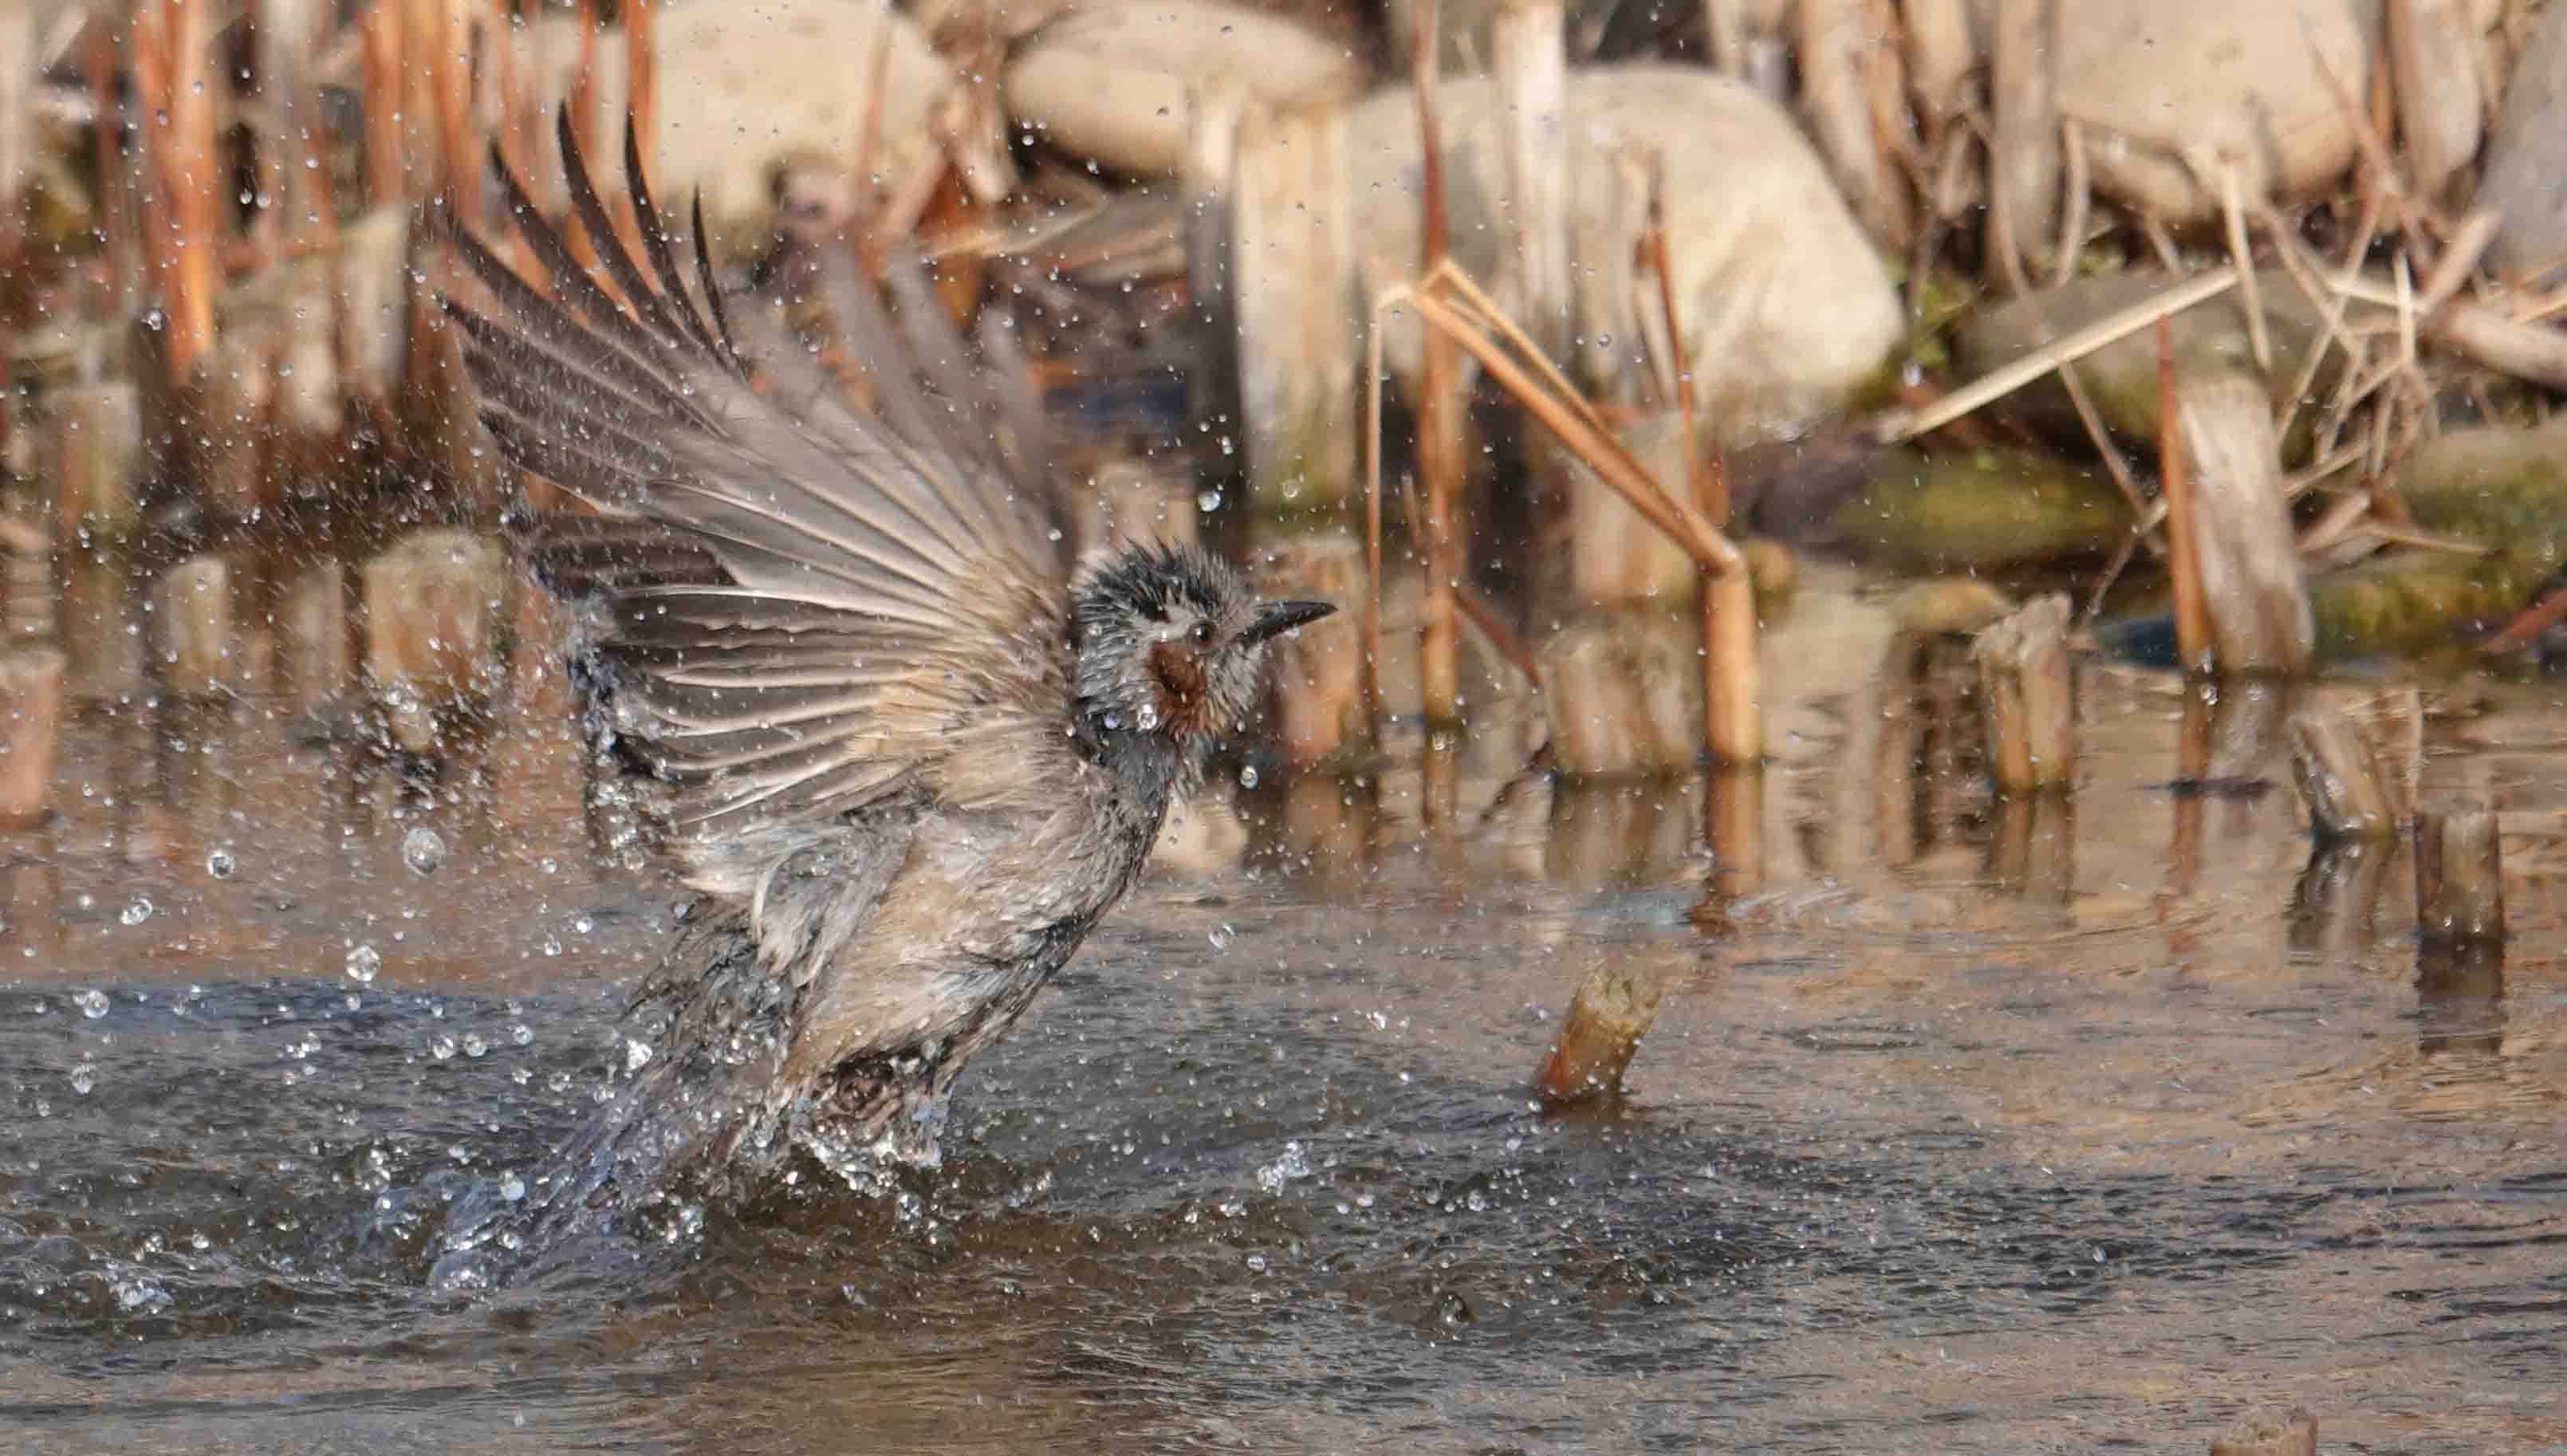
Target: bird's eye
(1202, 633)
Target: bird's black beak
(1276, 618)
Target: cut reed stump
(2340, 778)
(2460, 873)
(97, 450)
(1213, 385)
(1129, 502)
(435, 603)
(99, 632)
(30, 602)
(224, 422)
(1529, 45)
(1291, 274)
(2028, 684)
(191, 629)
(1614, 1008)
(1318, 698)
(2237, 525)
(31, 724)
(1441, 423)
(2270, 1435)
(313, 650)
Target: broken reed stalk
(423, 36)
(1733, 716)
(292, 152)
(117, 211)
(1733, 719)
(2340, 778)
(382, 34)
(2028, 682)
(1292, 266)
(1613, 1008)
(2269, 1434)
(460, 156)
(1996, 383)
(1373, 516)
(31, 724)
(1213, 401)
(1530, 42)
(1561, 410)
(2191, 622)
(191, 629)
(1439, 426)
(175, 75)
(2241, 552)
(2460, 873)
(17, 135)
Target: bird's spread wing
(798, 611)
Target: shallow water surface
(1964, 1126)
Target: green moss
(2505, 489)
(1981, 509)
(2413, 601)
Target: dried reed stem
(2460, 873)
(1587, 438)
(2232, 208)
(2191, 616)
(382, 32)
(174, 74)
(1439, 425)
(1733, 719)
(1996, 383)
(1372, 515)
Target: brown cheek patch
(1180, 680)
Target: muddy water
(1963, 1128)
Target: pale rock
(2159, 85)
(1786, 308)
(1114, 83)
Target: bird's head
(1168, 642)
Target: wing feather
(792, 612)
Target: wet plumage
(904, 754)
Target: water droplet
(637, 1055)
(513, 1187)
(220, 863)
(1248, 777)
(473, 1046)
(1208, 502)
(1295, 1163)
(583, 925)
(522, 1034)
(93, 1003)
(422, 850)
(1257, 1263)
(138, 912)
(443, 1049)
(552, 945)
(84, 1077)
(363, 962)
(1221, 937)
